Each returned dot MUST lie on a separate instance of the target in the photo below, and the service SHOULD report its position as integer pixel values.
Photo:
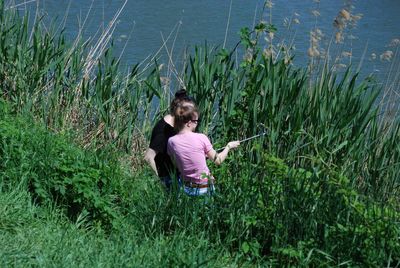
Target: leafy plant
(56, 171)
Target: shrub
(55, 170)
(303, 217)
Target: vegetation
(320, 189)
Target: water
(143, 24)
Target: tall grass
(71, 86)
(333, 119)
(37, 236)
(265, 213)
(320, 189)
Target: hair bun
(182, 93)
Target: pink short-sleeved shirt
(188, 150)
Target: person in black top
(156, 155)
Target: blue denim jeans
(199, 191)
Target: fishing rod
(253, 137)
(247, 139)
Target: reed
(73, 86)
(320, 189)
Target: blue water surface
(144, 24)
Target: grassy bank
(320, 189)
(265, 213)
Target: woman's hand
(233, 144)
(150, 156)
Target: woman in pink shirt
(188, 150)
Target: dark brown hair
(180, 96)
(183, 115)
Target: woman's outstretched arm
(218, 158)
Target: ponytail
(180, 96)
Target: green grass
(37, 227)
(264, 213)
(37, 236)
(320, 189)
